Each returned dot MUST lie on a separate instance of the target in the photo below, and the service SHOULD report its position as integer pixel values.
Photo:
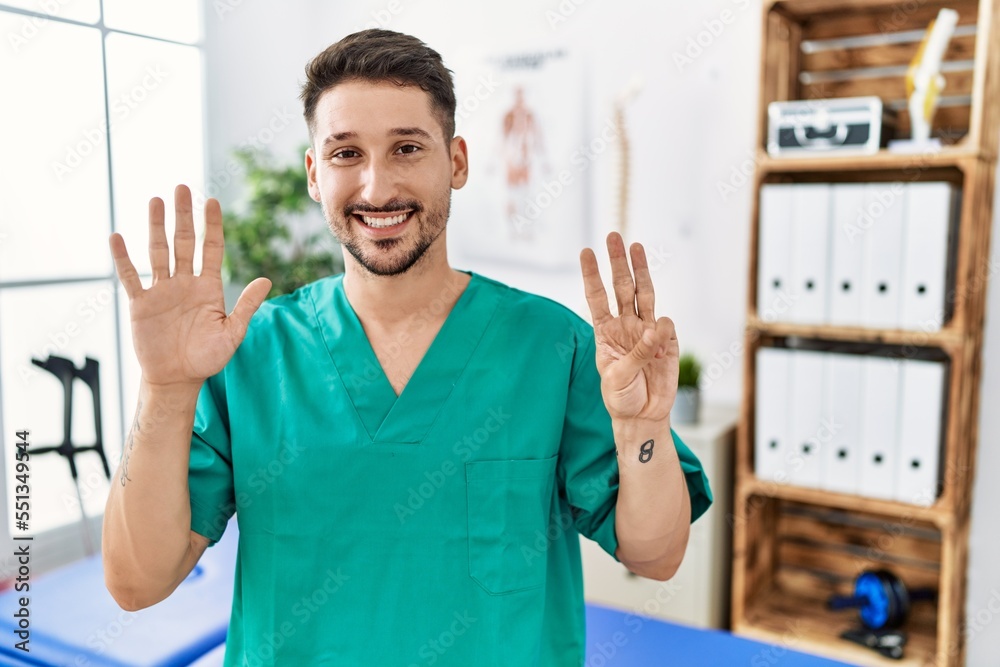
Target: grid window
(108, 112)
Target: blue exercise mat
(12, 661)
(619, 639)
(622, 639)
(75, 621)
(213, 658)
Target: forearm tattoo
(130, 444)
(646, 451)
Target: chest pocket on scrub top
(509, 505)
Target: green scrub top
(437, 528)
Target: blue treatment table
(622, 639)
(76, 623)
(213, 658)
(12, 661)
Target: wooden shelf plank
(947, 338)
(937, 514)
(838, 18)
(962, 47)
(948, 156)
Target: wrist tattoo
(646, 451)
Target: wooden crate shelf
(777, 618)
(818, 552)
(800, 35)
(794, 546)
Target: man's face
(381, 169)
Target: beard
(391, 256)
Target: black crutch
(65, 371)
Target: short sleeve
(588, 466)
(210, 471)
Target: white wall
(691, 127)
(983, 601)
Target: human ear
(459, 163)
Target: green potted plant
(687, 405)
(259, 235)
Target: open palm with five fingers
(637, 354)
(180, 329)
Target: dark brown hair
(381, 55)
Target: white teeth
(384, 222)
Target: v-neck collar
(408, 417)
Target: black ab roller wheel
(881, 598)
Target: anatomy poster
(522, 115)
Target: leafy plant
(259, 239)
(689, 371)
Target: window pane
(179, 20)
(87, 11)
(54, 223)
(72, 321)
(157, 136)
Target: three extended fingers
(184, 242)
(634, 296)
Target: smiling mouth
(382, 221)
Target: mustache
(391, 206)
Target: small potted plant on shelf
(687, 405)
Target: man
(411, 450)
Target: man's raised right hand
(180, 329)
